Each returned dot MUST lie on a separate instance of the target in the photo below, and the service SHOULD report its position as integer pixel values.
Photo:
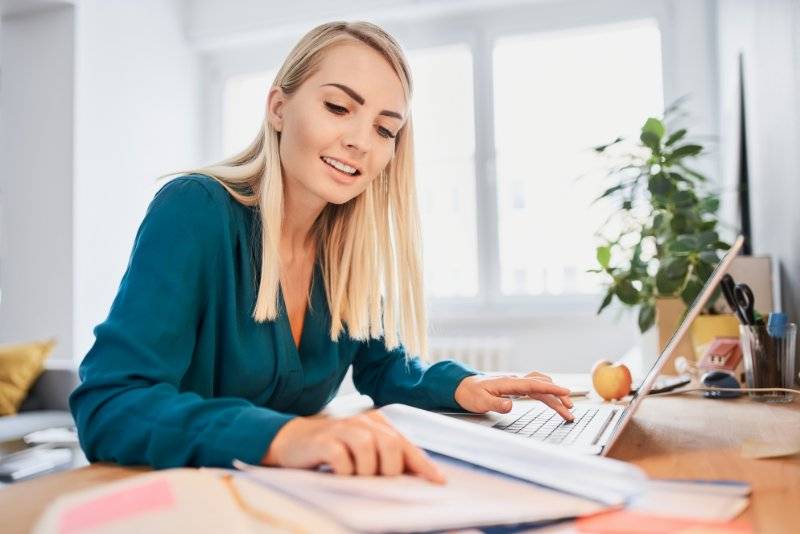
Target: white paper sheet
(605, 480)
(408, 503)
(695, 499)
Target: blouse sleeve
(390, 377)
(129, 407)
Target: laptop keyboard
(543, 424)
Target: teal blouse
(180, 374)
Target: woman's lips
(340, 176)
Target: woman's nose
(358, 137)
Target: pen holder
(769, 361)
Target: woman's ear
(275, 104)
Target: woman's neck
(300, 211)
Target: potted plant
(662, 240)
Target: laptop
(596, 427)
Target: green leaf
(636, 259)
(684, 244)
(606, 301)
(675, 137)
(693, 173)
(661, 224)
(609, 191)
(671, 274)
(602, 148)
(690, 292)
(675, 177)
(684, 199)
(659, 185)
(709, 205)
(676, 267)
(666, 286)
(627, 293)
(685, 151)
(647, 317)
(651, 141)
(603, 256)
(707, 239)
(655, 127)
(705, 268)
(709, 256)
(679, 223)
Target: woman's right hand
(364, 444)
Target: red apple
(611, 380)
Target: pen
(776, 324)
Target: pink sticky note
(122, 504)
(629, 522)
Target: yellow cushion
(20, 366)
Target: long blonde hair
(370, 246)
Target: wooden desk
(693, 437)
(670, 437)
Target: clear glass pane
(556, 95)
(444, 143)
(244, 102)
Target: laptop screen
(692, 312)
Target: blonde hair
(370, 246)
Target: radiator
(481, 353)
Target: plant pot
(669, 313)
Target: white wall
(36, 151)
(137, 117)
(768, 33)
(242, 35)
(141, 69)
(98, 99)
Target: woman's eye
(333, 108)
(383, 132)
(341, 110)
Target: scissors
(740, 299)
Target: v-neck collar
(297, 349)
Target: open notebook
(410, 504)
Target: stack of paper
(180, 500)
(604, 480)
(677, 506)
(410, 504)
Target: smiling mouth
(341, 167)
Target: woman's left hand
(483, 393)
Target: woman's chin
(340, 194)
(340, 199)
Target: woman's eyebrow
(360, 99)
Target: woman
(255, 283)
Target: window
(555, 96)
(444, 146)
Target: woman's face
(338, 129)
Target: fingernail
(506, 405)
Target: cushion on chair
(20, 366)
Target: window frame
(479, 30)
